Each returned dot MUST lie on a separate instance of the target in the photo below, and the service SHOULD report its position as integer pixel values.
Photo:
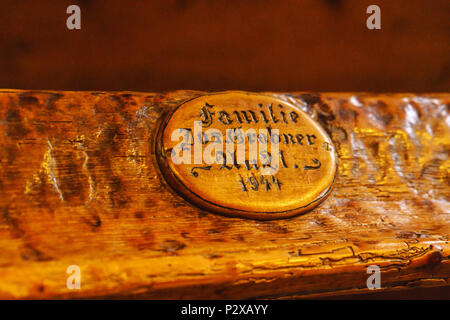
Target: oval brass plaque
(246, 155)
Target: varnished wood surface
(79, 186)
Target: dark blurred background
(277, 45)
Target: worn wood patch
(80, 185)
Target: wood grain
(79, 186)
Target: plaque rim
(192, 198)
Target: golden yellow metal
(246, 155)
